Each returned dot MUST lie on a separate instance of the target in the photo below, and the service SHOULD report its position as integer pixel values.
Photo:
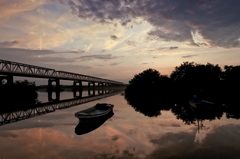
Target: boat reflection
(87, 125)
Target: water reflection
(148, 101)
(14, 97)
(88, 125)
(151, 102)
(126, 135)
(13, 111)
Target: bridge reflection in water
(43, 108)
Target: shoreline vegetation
(149, 92)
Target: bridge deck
(25, 70)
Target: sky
(116, 39)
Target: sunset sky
(116, 39)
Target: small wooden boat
(201, 103)
(99, 110)
(87, 125)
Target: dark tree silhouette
(149, 77)
(148, 93)
(190, 71)
(192, 78)
(20, 95)
(232, 73)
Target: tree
(149, 77)
(148, 92)
(190, 71)
(232, 73)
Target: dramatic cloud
(41, 58)
(161, 48)
(26, 125)
(216, 21)
(9, 8)
(222, 141)
(8, 44)
(99, 56)
(173, 47)
(114, 64)
(113, 37)
(188, 56)
(115, 137)
(8, 134)
(35, 52)
(131, 43)
(103, 50)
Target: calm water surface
(127, 134)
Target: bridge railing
(25, 69)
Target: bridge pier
(79, 95)
(89, 92)
(8, 78)
(50, 98)
(50, 85)
(77, 87)
(51, 89)
(91, 83)
(100, 84)
(100, 91)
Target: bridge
(49, 107)
(10, 69)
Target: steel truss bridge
(44, 108)
(25, 70)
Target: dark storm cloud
(218, 21)
(113, 37)
(188, 56)
(8, 44)
(98, 56)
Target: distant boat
(201, 104)
(87, 125)
(99, 110)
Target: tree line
(149, 91)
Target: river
(126, 135)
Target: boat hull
(99, 110)
(88, 125)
